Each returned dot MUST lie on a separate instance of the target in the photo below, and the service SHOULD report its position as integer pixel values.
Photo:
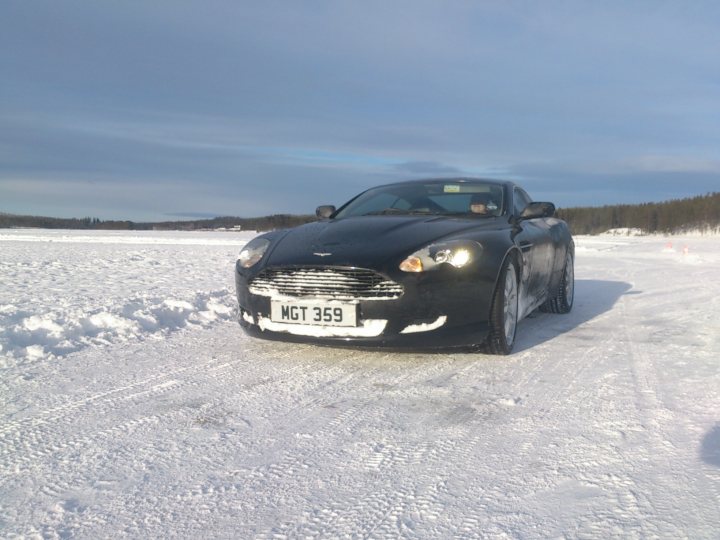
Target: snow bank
(628, 231)
(63, 291)
(59, 332)
(624, 231)
(662, 249)
(194, 238)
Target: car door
(532, 236)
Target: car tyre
(561, 300)
(504, 311)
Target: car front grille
(326, 283)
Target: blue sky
(168, 109)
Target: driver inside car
(479, 204)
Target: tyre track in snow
(600, 385)
(313, 415)
(337, 408)
(419, 494)
(201, 376)
(623, 510)
(154, 384)
(34, 444)
(641, 502)
(31, 441)
(543, 382)
(160, 380)
(659, 513)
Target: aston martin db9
(422, 264)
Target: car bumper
(436, 310)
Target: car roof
(459, 180)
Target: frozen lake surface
(132, 404)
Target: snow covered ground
(131, 404)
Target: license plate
(314, 313)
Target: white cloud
(230, 98)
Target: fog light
(411, 264)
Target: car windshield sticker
(452, 188)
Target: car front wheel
(504, 312)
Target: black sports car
(421, 264)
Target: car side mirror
(538, 210)
(325, 211)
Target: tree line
(265, 223)
(669, 217)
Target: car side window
(520, 201)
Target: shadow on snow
(710, 447)
(593, 297)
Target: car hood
(366, 240)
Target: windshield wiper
(386, 211)
(400, 211)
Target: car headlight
(253, 252)
(457, 253)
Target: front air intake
(326, 283)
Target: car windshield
(471, 199)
